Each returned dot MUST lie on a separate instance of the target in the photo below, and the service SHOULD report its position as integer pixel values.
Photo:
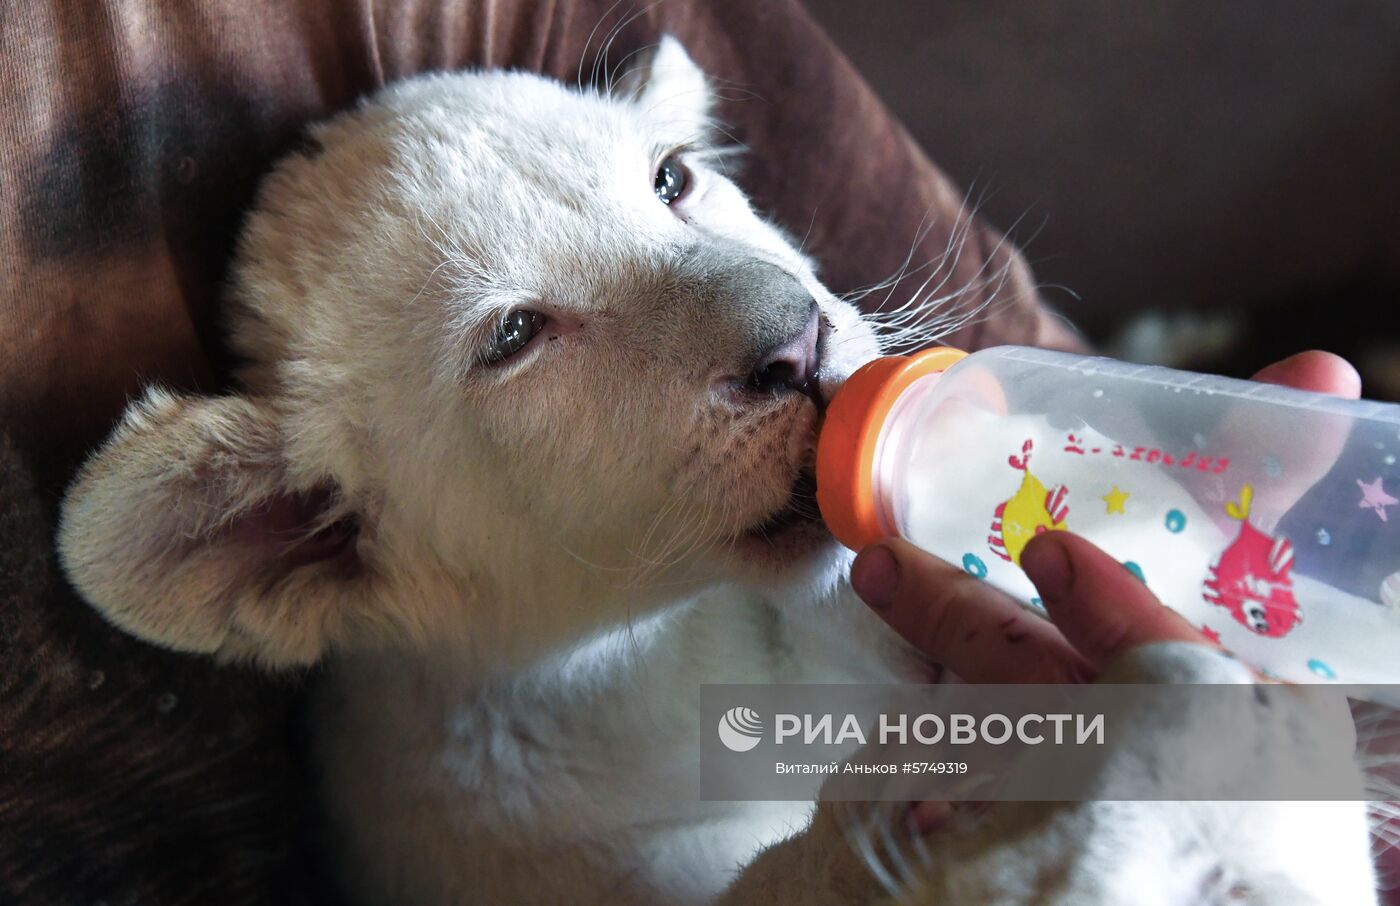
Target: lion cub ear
(185, 530)
(670, 91)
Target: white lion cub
(522, 452)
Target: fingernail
(1048, 567)
(874, 576)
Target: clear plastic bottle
(1267, 516)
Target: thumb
(1103, 609)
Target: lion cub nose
(792, 363)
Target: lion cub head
(522, 364)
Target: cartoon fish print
(1252, 578)
(1031, 510)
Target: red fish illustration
(1030, 511)
(1253, 579)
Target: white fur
(1117, 852)
(516, 575)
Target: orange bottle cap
(851, 433)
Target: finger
(1319, 437)
(975, 630)
(1320, 372)
(1102, 609)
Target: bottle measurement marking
(1215, 465)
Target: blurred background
(1234, 168)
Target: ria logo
(740, 729)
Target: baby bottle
(1267, 516)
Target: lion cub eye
(513, 333)
(672, 180)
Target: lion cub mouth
(801, 507)
(790, 532)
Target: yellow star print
(1115, 500)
